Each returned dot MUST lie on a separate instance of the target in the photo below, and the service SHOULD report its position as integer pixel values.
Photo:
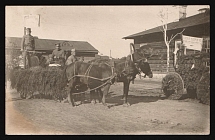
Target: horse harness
(86, 75)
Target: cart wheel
(34, 61)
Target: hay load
(191, 68)
(49, 82)
(203, 89)
(187, 76)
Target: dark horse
(82, 76)
(93, 76)
(126, 71)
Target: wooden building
(195, 26)
(82, 48)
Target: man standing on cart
(72, 58)
(58, 52)
(27, 44)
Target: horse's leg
(70, 97)
(125, 92)
(106, 89)
(92, 97)
(100, 95)
(97, 95)
(82, 98)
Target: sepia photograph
(107, 70)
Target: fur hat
(28, 29)
(57, 44)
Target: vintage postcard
(92, 70)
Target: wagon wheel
(34, 61)
(203, 89)
(174, 88)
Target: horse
(82, 76)
(126, 70)
(91, 75)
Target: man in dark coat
(58, 52)
(27, 44)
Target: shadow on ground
(132, 99)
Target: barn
(82, 48)
(196, 26)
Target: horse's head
(145, 68)
(142, 64)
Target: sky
(102, 26)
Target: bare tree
(164, 27)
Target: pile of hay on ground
(203, 89)
(49, 82)
(191, 77)
(172, 86)
(187, 78)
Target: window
(206, 48)
(206, 45)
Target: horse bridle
(137, 66)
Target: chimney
(203, 10)
(182, 12)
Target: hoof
(29, 97)
(104, 104)
(97, 101)
(162, 97)
(93, 102)
(65, 101)
(126, 104)
(74, 105)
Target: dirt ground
(148, 114)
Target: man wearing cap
(27, 44)
(58, 52)
(72, 58)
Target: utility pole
(24, 30)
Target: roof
(198, 19)
(48, 44)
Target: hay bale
(173, 85)
(203, 89)
(192, 76)
(49, 82)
